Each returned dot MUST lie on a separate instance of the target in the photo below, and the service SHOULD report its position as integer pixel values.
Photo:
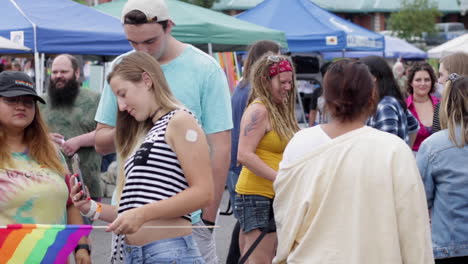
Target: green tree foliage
(414, 18)
(203, 3)
(81, 2)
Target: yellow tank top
(270, 150)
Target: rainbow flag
(31, 243)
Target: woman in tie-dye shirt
(32, 183)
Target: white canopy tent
(459, 44)
(8, 44)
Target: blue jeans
(179, 250)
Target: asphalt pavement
(101, 241)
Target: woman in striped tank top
(267, 125)
(164, 164)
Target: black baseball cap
(15, 83)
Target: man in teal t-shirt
(195, 79)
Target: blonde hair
(282, 116)
(454, 110)
(456, 63)
(40, 147)
(129, 132)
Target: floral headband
(453, 77)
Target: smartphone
(79, 178)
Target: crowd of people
(380, 175)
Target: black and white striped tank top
(153, 173)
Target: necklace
(155, 113)
(422, 101)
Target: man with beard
(69, 113)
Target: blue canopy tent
(394, 48)
(310, 28)
(60, 26)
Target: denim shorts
(254, 212)
(178, 250)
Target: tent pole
(343, 51)
(210, 49)
(236, 63)
(302, 107)
(37, 71)
(103, 77)
(42, 72)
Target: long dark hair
(421, 66)
(386, 83)
(255, 52)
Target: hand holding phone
(79, 177)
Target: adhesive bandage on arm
(191, 135)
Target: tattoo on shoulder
(253, 122)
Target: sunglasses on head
(275, 58)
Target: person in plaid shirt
(392, 115)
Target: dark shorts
(254, 212)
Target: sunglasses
(27, 101)
(275, 58)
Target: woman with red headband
(267, 125)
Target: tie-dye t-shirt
(31, 194)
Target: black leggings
(456, 260)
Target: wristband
(92, 210)
(83, 246)
(209, 223)
(98, 212)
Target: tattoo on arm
(253, 122)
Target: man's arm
(220, 154)
(104, 139)
(312, 115)
(72, 145)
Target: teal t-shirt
(197, 81)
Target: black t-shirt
(315, 95)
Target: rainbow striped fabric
(30, 243)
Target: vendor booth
(394, 48)
(459, 44)
(310, 28)
(207, 29)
